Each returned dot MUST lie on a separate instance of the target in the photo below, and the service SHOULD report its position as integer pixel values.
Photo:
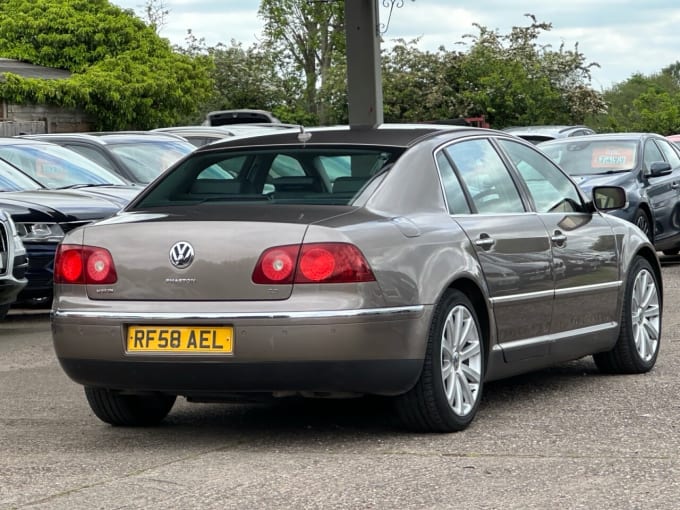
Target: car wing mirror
(659, 168)
(609, 198)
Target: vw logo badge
(181, 254)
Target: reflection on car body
(408, 271)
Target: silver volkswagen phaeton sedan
(415, 262)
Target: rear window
(299, 175)
(147, 160)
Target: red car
(675, 139)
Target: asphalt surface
(566, 438)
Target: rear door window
(486, 177)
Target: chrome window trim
(312, 314)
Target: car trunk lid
(225, 252)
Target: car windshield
(12, 179)
(593, 157)
(281, 175)
(54, 166)
(147, 160)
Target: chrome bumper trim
(314, 314)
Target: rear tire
(639, 339)
(128, 410)
(448, 392)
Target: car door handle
(558, 239)
(675, 185)
(485, 242)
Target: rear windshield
(299, 175)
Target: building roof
(26, 70)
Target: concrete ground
(566, 438)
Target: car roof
(109, 137)
(21, 140)
(226, 130)
(545, 129)
(603, 136)
(395, 135)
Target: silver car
(414, 262)
(13, 263)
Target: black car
(13, 263)
(139, 156)
(57, 167)
(647, 165)
(42, 216)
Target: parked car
(42, 216)
(202, 135)
(538, 134)
(675, 139)
(138, 157)
(436, 264)
(645, 164)
(57, 167)
(13, 263)
(239, 116)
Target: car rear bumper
(199, 380)
(376, 351)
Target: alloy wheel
(645, 315)
(461, 360)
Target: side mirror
(659, 168)
(609, 198)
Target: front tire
(637, 347)
(128, 410)
(448, 392)
(643, 222)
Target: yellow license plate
(215, 340)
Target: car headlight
(19, 248)
(40, 232)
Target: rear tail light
(312, 263)
(83, 265)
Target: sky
(623, 37)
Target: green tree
(124, 74)
(509, 78)
(420, 85)
(643, 103)
(308, 39)
(514, 80)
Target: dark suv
(646, 165)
